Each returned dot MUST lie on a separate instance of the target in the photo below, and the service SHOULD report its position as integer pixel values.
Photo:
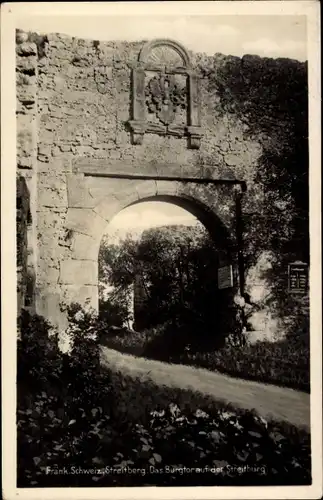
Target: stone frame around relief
(139, 123)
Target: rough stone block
(191, 171)
(166, 169)
(44, 149)
(42, 158)
(77, 192)
(58, 165)
(103, 187)
(108, 207)
(51, 253)
(78, 272)
(26, 49)
(47, 218)
(25, 162)
(220, 171)
(47, 274)
(27, 94)
(49, 197)
(85, 221)
(47, 305)
(84, 247)
(85, 295)
(27, 64)
(169, 188)
(145, 189)
(52, 191)
(232, 159)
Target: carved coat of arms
(164, 96)
(166, 87)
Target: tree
(176, 267)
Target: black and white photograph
(165, 250)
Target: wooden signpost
(225, 277)
(298, 277)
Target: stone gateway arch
(103, 125)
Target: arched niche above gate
(165, 94)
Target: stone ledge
(119, 168)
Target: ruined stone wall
(27, 167)
(74, 107)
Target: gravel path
(270, 401)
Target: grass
(269, 401)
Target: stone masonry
(86, 153)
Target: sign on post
(298, 277)
(225, 277)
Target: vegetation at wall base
(72, 430)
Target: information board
(298, 277)
(225, 277)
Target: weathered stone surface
(48, 274)
(27, 64)
(78, 193)
(108, 207)
(52, 191)
(124, 190)
(145, 189)
(84, 247)
(72, 120)
(78, 272)
(27, 49)
(86, 295)
(231, 160)
(85, 221)
(48, 305)
(59, 165)
(167, 188)
(25, 162)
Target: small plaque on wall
(225, 277)
(298, 277)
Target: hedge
(285, 363)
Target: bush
(230, 448)
(129, 342)
(114, 311)
(39, 360)
(283, 363)
(58, 394)
(279, 363)
(77, 416)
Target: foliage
(276, 363)
(115, 310)
(271, 98)
(231, 448)
(174, 273)
(57, 392)
(39, 360)
(82, 433)
(283, 363)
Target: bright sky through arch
(136, 218)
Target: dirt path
(270, 401)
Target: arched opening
(159, 263)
